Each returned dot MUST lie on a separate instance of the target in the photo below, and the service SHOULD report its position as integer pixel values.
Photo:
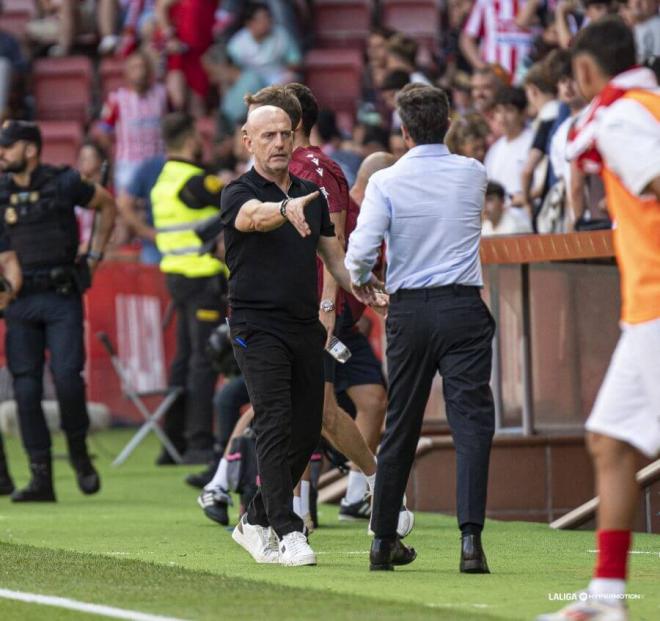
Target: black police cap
(13, 131)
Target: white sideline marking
(654, 553)
(72, 604)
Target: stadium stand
(61, 141)
(111, 74)
(342, 23)
(416, 18)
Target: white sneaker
(295, 551)
(589, 610)
(404, 526)
(260, 542)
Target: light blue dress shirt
(427, 207)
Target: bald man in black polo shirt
(275, 223)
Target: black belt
(460, 291)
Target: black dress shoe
(87, 477)
(40, 487)
(473, 559)
(386, 553)
(203, 478)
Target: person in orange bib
(619, 136)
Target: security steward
(38, 223)
(183, 198)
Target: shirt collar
(263, 182)
(427, 150)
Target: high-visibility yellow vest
(175, 221)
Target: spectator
(461, 88)
(499, 218)
(92, 159)
(393, 82)
(13, 68)
(327, 133)
(570, 18)
(59, 22)
(493, 24)
(454, 14)
(187, 28)
(374, 138)
(646, 26)
(484, 84)
(376, 65)
(402, 55)
(541, 93)
(468, 136)
(262, 54)
(397, 145)
(506, 158)
(139, 23)
(134, 204)
(133, 113)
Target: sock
(613, 546)
(219, 478)
(470, 528)
(304, 498)
(357, 487)
(610, 590)
(296, 506)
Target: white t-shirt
(506, 159)
(514, 221)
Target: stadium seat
(334, 76)
(342, 23)
(63, 88)
(419, 19)
(15, 21)
(26, 6)
(61, 141)
(112, 75)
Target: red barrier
(129, 301)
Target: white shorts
(628, 404)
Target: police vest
(175, 223)
(39, 221)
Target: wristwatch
(327, 306)
(283, 205)
(95, 256)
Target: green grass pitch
(143, 544)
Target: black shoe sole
(6, 491)
(221, 519)
(381, 567)
(42, 499)
(473, 567)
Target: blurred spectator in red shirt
(132, 114)
(187, 28)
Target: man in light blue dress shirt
(427, 208)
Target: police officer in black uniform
(38, 222)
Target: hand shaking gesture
(295, 213)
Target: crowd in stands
(505, 64)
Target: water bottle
(338, 350)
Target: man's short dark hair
(254, 7)
(424, 111)
(495, 189)
(395, 80)
(539, 76)
(381, 31)
(610, 43)
(558, 65)
(308, 105)
(279, 97)
(511, 96)
(176, 127)
(403, 47)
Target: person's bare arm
(564, 33)
(127, 205)
(104, 203)
(526, 16)
(257, 217)
(527, 178)
(11, 270)
(470, 50)
(330, 286)
(575, 193)
(242, 424)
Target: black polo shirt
(273, 275)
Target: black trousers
(37, 322)
(447, 330)
(283, 371)
(199, 310)
(228, 402)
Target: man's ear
(247, 142)
(31, 150)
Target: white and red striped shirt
(493, 24)
(136, 122)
